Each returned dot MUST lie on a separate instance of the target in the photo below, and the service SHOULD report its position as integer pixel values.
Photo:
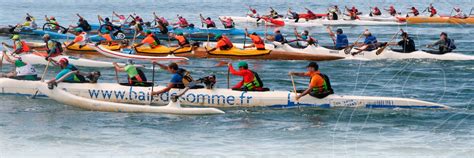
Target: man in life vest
(107, 38)
(432, 10)
(208, 21)
(414, 11)
(182, 41)
(23, 70)
(257, 41)
(161, 23)
(82, 23)
(53, 24)
(250, 80)
(29, 22)
(182, 22)
(53, 48)
(180, 78)
(19, 46)
(353, 13)
(150, 40)
(319, 84)
(66, 67)
(445, 44)
(306, 38)
(227, 22)
(253, 12)
(223, 43)
(81, 38)
(135, 75)
(391, 10)
(407, 44)
(375, 12)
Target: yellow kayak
(75, 47)
(439, 20)
(240, 52)
(162, 50)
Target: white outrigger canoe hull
(222, 98)
(371, 55)
(317, 22)
(119, 55)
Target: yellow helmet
(15, 37)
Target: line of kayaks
(217, 97)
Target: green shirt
(131, 70)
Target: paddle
(116, 76)
(381, 49)
(1, 62)
(202, 18)
(348, 49)
(294, 86)
(331, 35)
(245, 37)
(224, 63)
(153, 82)
(42, 77)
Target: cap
(313, 65)
(179, 33)
(130, 62)
(148, 31)
(15, 37)
(78, 29)
(243, 64)
(63, 61)
(218, 36)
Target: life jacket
(255, 83)
(164, 21)
(86, 26)
(228, 43)
(415, 12)
(107, 37)
(258, 42)
(433, 11)
(187, 78)
(228, 23)
(76, 77)
(157, 40)
(181, 40)
(57, 46)
(450, 44)
(54, 25)
(377, 11)
(24, 47)
(210, 23)
(183, 22)
(325, 90)
(136, 76)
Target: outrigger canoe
(64, 97)
(76, 47)
(439, 20)
(162, 50)
(323, 21)
(39, 59)
(120, 55)
(230, 54)
(371, 55)
(221, 98)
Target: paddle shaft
(228, 78)
(153, 83)
(294, 86)
(116, 76)
(383, 48)
(42, 77)
(1, 62)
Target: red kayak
(274, 21)
(311, 16)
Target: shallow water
(44, 128)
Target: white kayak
(382, 18)
(35, 59)
(120, 55)
(222, 98)
(64, 97)
(371, 55)
(320, 22)
(291, 22)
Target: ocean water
(45, 128)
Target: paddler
(407, 43)
(52, 22)
(370, 43)
(227, 22)
(445, 44)
(82, 23)
(414, 11)
(150, 40)
(339, 38)
(66, 67)
(161, 23)
(81, 38)
(458, 13)
(391, 10)
(29, 22)
(274, 14)
(279, 37)
(107, 38)
(121, 18)
(134, 75)
(19, 46)
(23, 70)
(136, 26)
(53, 48)
(253, 12)
(182, 41)
(250, 80)
(304, 36)
(333, 13)
(353, 13)
(223, 43)
(178, 76)
(257, 41)
(432, 10)
(375, 12)
(319, 84)
(293, 15)
(208, 21)
(182, 22)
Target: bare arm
(306, 92)
(7, 58)
(166, 89)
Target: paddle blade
(380, 50)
